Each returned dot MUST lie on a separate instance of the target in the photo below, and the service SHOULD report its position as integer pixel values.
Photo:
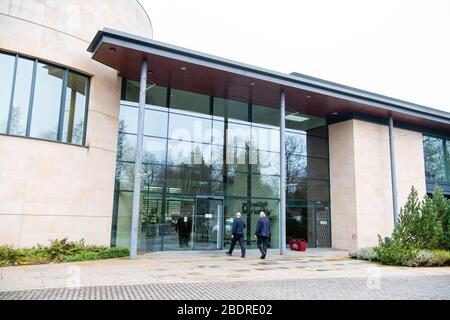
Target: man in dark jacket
(262, 234)
(237, 234)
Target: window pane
(153, 178)
(318, 168)
(434, 158)
(189, 153)
(295, 144)
(128, 119)
(155, 231)
(189, 101)
(154, 150)
(307, 145)
(47, 102)
(296, 168)
(265, 186)
(236, 159)
(123, 219)
(21, 99)
(309, 190)
(75, 108)
(188, 180)
(126, 147)
(266, 139)
(302, 167)
(238, 135)
(316, 147)
(217, 183)
(266, 115)
(155, 123)
(6, 79)
(267, 163)
(217, 157)
(156, 96)
(182, 127)
(218, 133)
(447, 158)
(230, 110)
(236, 184)
(124, 176)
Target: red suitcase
(302, 245)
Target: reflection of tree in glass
(51, 134)
(16, 115)
(3, 126)
(434, 158)
(295, 165)
(125, 151)
(78, 130)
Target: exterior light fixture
(112, 50)
(308, 97)
(183, 68)
(252, 84)
(335, 113)
(297, 117)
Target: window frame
(61, 115)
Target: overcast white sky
(397, 48)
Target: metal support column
(138, 163)
(393, 169)
(283, 174)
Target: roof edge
(297, 78)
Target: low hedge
(109, 253)
(59, 251)
(407, 257)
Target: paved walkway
(397, 288)
(328, 274)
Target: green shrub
(394, 252)
(429, 258)
(368, 254)
(442, 206)
(58, 251)
(8, 256)
(106, 253)
(429, 227)
(423, 224)
(60, 248)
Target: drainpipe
(393, 169)
(283, 174)
(138, 163)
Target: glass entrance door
(208, 223)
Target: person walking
(237, 234)
(262, 234)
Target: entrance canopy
(180, 68)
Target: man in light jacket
(237, 234)
(262, 234)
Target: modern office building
(82, 83)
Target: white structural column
(393, 169)
(138, 163)
(283, 174)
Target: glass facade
(206, 158)
(437, 159)
(42, 101)
(308, 186)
